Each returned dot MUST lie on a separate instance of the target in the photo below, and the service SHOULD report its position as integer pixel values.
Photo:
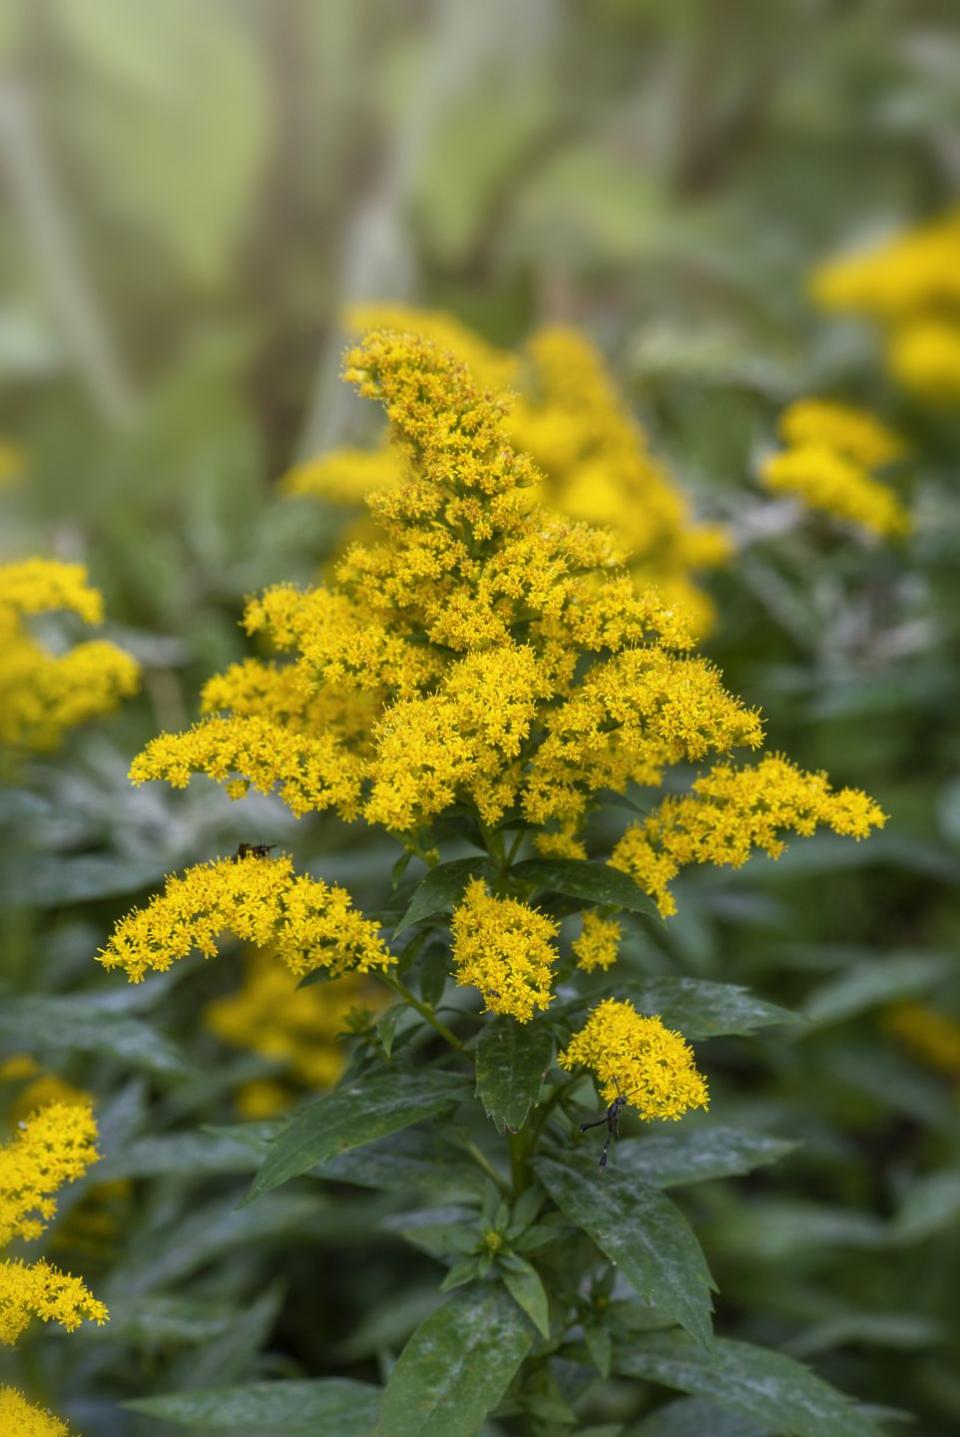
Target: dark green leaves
(642, 1232)
(700, 1009)
(83, 1024)
(442, 888)
(456, 1366)
(511, 1061)
(334, 1405)
(765, 1387)
(693, 1155)
(358, 1112)
(595, 883)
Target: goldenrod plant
(480, 682)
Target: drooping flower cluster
(593, 456)
(911, 286)
(506, 949)
(310, 924)
(43, 694)
(732, 812)
(831, 449)
(639, 1059)
(54, 1146)
(297, 1028)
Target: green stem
(519, 1168)
(426, 1012)
(482, 1161)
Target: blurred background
(195, 194)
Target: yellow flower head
(344, 476)
(54, 1146)
(598, 943)
(855, 433)
(42, 695)
(37, 1289)
(19, 1418)
(924, 357)
(505, 949)
(311, 924)
(730, 813)
(931, 1036)
(918, 271)
(825, 479)
(639, 1059)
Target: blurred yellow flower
(827, 480)
(19, 1418)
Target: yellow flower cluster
(831, 449)
(639, 1059)
(42, 695)
(910, 285)
(344, 476)
(594, 458)
(932, 1036)
(310, 924)
(19, 1418)
(36, 1088)
(598, 468)
(479, 651)
(504, 948)
(598, 943)
(295, 1027)
(730, 813)
(53, 1146)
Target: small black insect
(610, 1119)
(252, 850)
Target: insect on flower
(612, 1120)
(253, 850)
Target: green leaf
(692, 1417)
(762, 1386)
(932, 1204)
(599, 1346)
(171, 1154)
(877, 980)
(456, 1366)
(43, 880)
(642, 1232)
(81, 1025)
(442, 889)
(694, 1155)
(701, 1009)
(356, 1113)
(595, 883)
(511, 1061)
(413, 1160)
(345, 1407)
(522, 1281)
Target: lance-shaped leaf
(80, 1025)
(701, 1009)
(694, 1155)
(511, 1061)
(357, 1112)
(442, 889)
(335, 1404)
(642, 1232)
(692, 1417)
(456, 1366)
(595, 883)
(766, 1387)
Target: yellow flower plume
(19, 1418)
(505, 948)
(311, 924)
(637, 1058)
(730, 813)
(54, 1146)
